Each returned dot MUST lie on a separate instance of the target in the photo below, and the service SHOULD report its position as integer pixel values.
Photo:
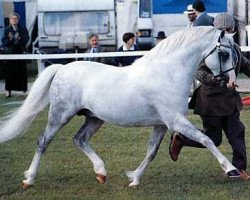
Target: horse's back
(106, 91)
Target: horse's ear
(230, 34)
(222, 34)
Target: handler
(219, 108)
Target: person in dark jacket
(129, 40)
(14, 41)
(202, 18)
(160, 36)
(219, 108)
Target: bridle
(222, 78)
(221, 55)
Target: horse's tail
(35, 102)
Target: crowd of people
(218, 107)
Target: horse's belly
(133, 115)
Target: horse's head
(221, 60)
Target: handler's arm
(205, 76)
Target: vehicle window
(145, 9)
(56, 23)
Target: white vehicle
(67, 24)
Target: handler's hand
(232, 85)
(10, 36)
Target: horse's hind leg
(81, 139)
(182, 125)
(55, 122)
(42, 143)
(153, 146)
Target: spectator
(14, 41)
(202, 18)
(191, 15)
(160, 36)
(219, 108)
(191, 18)
(94, 47)
(128, 39)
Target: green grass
(65, 173)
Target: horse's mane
(183, 38)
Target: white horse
(151, 92)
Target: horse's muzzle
(232, 80)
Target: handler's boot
(175, 146)
(234, 174)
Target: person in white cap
(219, 108)
(191, 15)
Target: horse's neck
(193, 57)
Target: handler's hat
(161, 35)
(190, 10)
(224, 21)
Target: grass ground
(65, 173)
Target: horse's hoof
(25, 186)
(101, 178)
(134, 184)
(234, 174)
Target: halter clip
(218, 44)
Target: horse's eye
(224, 55)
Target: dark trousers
(16, 75)
(234, 130)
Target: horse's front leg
(182, 125)
(81, 139)
(153, 146)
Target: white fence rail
(80, 55)
(69, 55)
